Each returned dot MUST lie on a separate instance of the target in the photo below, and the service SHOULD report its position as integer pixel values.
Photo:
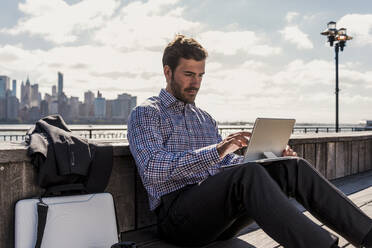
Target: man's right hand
(232, 143)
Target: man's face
(184, 82)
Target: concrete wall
(334, 155)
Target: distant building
(109, 109)
(122, 106)
(89, 103)
(24, 114)
(54, 91)
(48, 97)
(133, 102)
(60, 83)
(14, 88)
(35, 96)
(63, 106)
(44, 108)
(4, 85)
(26, 94)
(12, 106)
(74, 107)
(100, 106)
(53, 107)
(83, 110)
(34, 114)
(2, 108)
(88, 97)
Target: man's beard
(176, 89)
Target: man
(182, 162)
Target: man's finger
(245, 133)
(238, 140)
(242, 133)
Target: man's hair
(183, 47)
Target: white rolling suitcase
(78, 221)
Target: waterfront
(333, 155)
(16, 132)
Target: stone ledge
(17, 152)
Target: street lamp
(339, 38)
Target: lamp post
(338, 38)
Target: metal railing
(19, 134)
(224, 131)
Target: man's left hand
(289, 152)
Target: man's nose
(196, 80)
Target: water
(16, 132)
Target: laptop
(268, 140)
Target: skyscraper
(99, 106)
(74, 107)
(14, 88)
(35, 96)
(26, 94)
(44, 108)
(12, 106)
(54, 91)
(89, 103)
(122, 106)
(4, 85)
(60, 83)
(88, 97)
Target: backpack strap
(42, 207)
(77, 187)
(42, 212)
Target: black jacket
(62, 158)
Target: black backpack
(66, 165)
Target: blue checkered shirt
(173, 144)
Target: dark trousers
(223, 204)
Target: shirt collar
(168, 100)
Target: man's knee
(248, 173)
(301, 162)
(250, 169)
(298, 162)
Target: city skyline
(31, 106)
(266, 58)
(17, 92)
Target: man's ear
(167, 73)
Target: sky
(266, 58)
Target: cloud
(58, 22)
(231, 43)
(291, 16)
(145, 25)
(100, 67)
(359, 26)
(135, 26)
(298, 73)
(123, 49)
(294, 35)
(295, 90)
(116, 46)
